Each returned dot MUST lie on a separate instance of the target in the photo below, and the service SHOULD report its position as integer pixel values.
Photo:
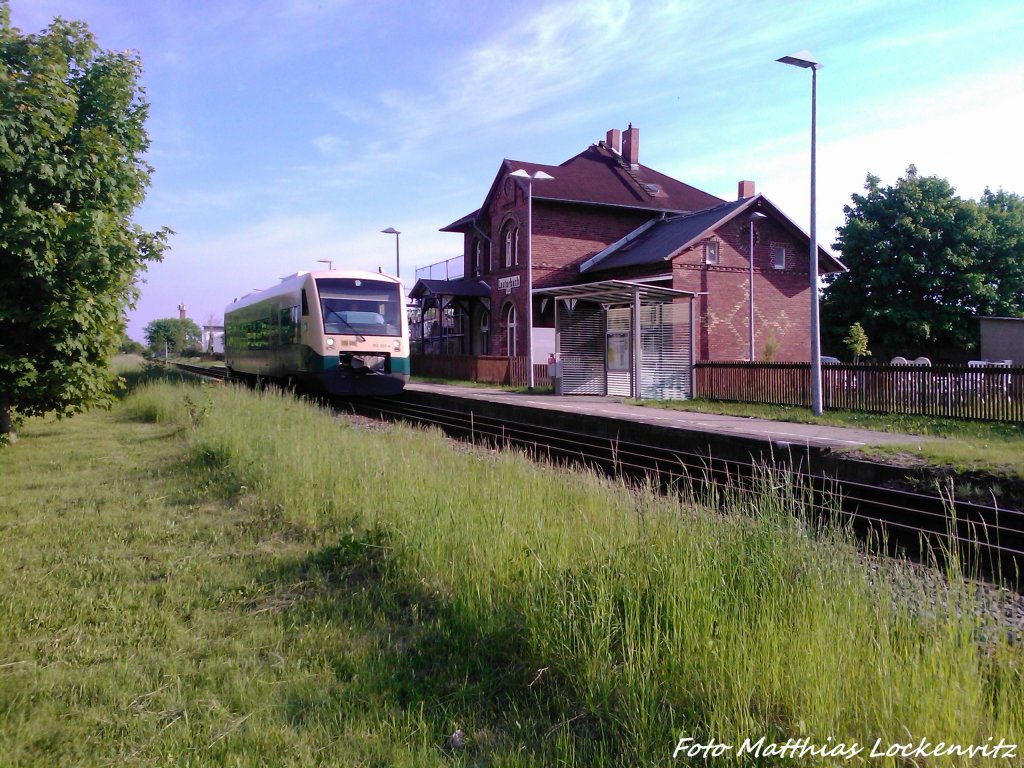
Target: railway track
(201, 370)
(986, 538)
(989, 540)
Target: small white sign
(506, 284)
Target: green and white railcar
(336, 331)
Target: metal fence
(988, 393)
(449, 269)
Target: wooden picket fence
(987, 393)
(484, 368)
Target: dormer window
(711, 252)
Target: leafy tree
(857, 342)
(1004, 253)
(178, 335)
(130, 346)
(923, 265)
(72, 140)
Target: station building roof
(599, 176)
(664, 238)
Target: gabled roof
(464, 287)
(599, 176)
(663, 239)
(460, 225)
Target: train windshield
(354, 306)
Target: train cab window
(305, 303)
(355, 306)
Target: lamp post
(328, 262)
(396, 233)
(754, 217)
(804, 60)
(528, 179)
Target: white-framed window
(510, 244)
(779, 256)
(510, 329)
(485, 332)
(711, 252)
(478, 257)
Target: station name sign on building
(506, 284)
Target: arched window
(511, 244)
(510, 329)
(485, 332)
(478, 257)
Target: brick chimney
(181, 311)
(614, 140)
(746, 189)
(631, 146)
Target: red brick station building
(634, 275)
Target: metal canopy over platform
(623, 337)
(615, 292)
(461, 288)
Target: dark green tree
(72, 141)
(923, 265)
(1004, 253)
(178, 335)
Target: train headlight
(396, 344)
(330, 343)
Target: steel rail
(201, 370)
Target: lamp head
(535, 176)
(802, 58)
(390, 231)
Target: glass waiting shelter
(622, 337)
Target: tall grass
(597, 622)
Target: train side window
(305, 303)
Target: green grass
(178, 592)
(964, 445)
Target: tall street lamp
(754, 218)
(804, 60)
(528, 179)
(328, 262)
(396, 233)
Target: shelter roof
(615, 292)
(463, 287)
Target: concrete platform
(815, 436)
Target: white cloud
(965, 132)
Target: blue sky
(287, 131)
